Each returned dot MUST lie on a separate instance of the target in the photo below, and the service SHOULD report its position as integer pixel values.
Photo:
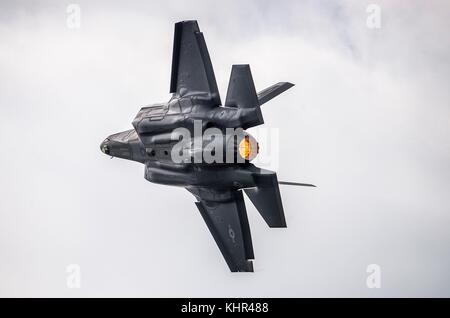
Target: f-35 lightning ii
(170, 139)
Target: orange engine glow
(248, 149)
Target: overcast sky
(368, 122)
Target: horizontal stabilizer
(272, 91)
(267, 199)
(296, 184)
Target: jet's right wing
(192, 71)
(226, 217)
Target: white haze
(368, 122)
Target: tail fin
(267, 199)
(242, 94)
(241, 89)
(272, 91)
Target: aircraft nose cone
(104, 146)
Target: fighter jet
(195, 142)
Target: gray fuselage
(166, 139)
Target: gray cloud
(368, 122)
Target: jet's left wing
(226, 217)
(192, 71)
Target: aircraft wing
(226, 217)
(192, 71)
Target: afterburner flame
(248, 148)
